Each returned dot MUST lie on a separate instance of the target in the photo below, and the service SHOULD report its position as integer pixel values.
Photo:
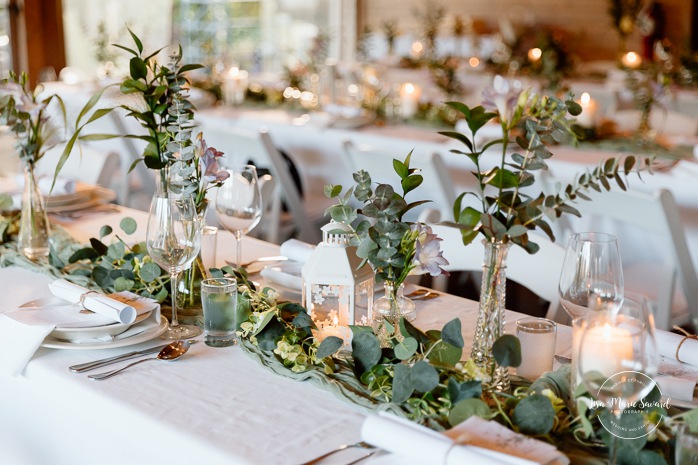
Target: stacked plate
(85, 196)
(76, 328)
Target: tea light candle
(631, 60)
(409, 97)
(333, 328)
(587, 119)
(534, 54)
(537, 337)
(601, 348)
(235, 86)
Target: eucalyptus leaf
(451, 333)
(424, 376)
(128, 225)
(268, 335)
(123, 284)
(105, 231)
(150, 272)
(445, 354)
(402, 384)
(534, 414)
(507, 351)
(329, 346)
(466, 409)
(366, 350)
(406, 348)
(465, 390)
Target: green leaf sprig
(507, 210)
(167, 112)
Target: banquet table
(213, 406)
(315, 145)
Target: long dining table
(213, 406)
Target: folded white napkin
(297, 251)
(676, 388)
(122, 310)
(18, 342)
(417, 445)
(63, 186)
(287, 274)
(668, 342)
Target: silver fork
(361, 444)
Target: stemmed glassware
(592, 275)
(239, 204)
(618, 359)
(173, 240)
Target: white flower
(428, 257)
(502, 97)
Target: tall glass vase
(34, 230)
(490, 320)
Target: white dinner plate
(147, 335)
(91, 198)
(76, 334)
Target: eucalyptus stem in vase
(39, 124)
(187, 166)
(504, 209)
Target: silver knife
(118, 358)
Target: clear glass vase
(490, 320)
(190, 310)
(393, 305)
(34, 229)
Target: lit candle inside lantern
(235, 86)
(332, 328)
(409, 99)
(631, 60)
(587, 119)
(602, 349)
(534, 54)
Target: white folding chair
(649, 221)
(540, 272)
(305, 213)
(86, 164)
(437, 185)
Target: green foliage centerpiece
(504, 209)
(39, 123)
(393, 247)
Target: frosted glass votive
(537, 337)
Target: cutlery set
(169, 352)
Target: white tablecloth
(213, 406)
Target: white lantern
(336, 292)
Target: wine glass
(239, 204)
(592, 275)
(618, 359)
(173, 240)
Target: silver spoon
(170, 352)
(361, 444)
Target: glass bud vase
(490, 320)
(190, 310)
(34, 230)
(393, 305)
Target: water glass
(686, 446)
(219, 299)
(537, 337)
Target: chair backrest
(656, 214)
(241, 146)
(540, 272)
(437, 185)
(86, 164)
